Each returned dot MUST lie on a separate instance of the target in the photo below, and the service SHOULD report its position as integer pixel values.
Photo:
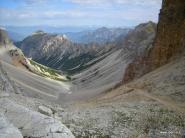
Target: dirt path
(163, 100)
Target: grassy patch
(49, 72)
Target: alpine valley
(97, 82)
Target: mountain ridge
(101, 35)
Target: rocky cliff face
(169, 41)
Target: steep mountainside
(58, 52)
(100, 35)
(139, 40)
(169, 42)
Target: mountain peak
(62, 37)
(148, 26)
(2, 28)
(39, 32)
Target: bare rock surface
(7, 129)
(31, 123)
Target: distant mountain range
(76, 34)
(15, 36)
(100, 35)
(18, 33)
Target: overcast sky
(110, 13)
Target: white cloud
(40, 12)
(32, 2)
(131, 2)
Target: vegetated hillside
(100, 35)
(169, 42)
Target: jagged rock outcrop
(169, 41)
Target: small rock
(3, 95)
(45, 110)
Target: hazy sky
(78, 12)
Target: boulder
(31, 123)
(45, 110)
